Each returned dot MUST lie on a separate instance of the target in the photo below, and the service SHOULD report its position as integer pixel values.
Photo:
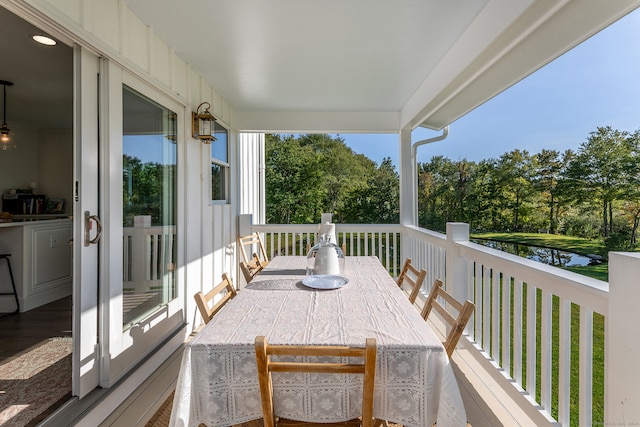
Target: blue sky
(595, 84)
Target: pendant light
(5, 138)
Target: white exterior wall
(110, 29)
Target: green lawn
(600, 271)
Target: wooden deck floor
(487, 402)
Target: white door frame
(85, 359)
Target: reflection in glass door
(149, 174)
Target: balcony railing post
(622, 341)
(456, 265)
(245, 222)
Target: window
(220, 164)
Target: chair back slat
(266, 366)
(326, 368)
(252, 265)
(315, 350)
(203, 300)
(456, 323)
(448, 317)
(251, 268)
(414, 277)
(451, 300)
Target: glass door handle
(87, 228)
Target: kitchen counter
(25, 220)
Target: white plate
(325, 281)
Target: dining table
(414, 382)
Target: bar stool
(13, 283)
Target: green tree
(550, 167)
(514, 173)
(570, 192)
(342, 170)
(464, 176)
(601, 171)
(631, 205)
(311, 174)
(482, 212)
(379, 201)
(294, 181)
(437, 192)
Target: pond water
(553, 257)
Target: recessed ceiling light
(47, 41)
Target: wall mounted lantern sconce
(203, 124)
(5, 137)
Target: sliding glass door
(144, 304)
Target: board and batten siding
(111, 29)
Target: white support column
(622, 341)
(408, 181)
(456, 266)
(408, 192)
(250, 175)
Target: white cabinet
(41, 257)
(47, 263)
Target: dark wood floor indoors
(21, 332)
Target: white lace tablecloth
(414, 385)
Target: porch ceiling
(368, 65)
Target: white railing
(520, 305)
(426, 250)
(380, 240)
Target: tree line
(311, 174)
(591, 192)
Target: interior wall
(19, 166)
(43, 157)
(55, 164)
